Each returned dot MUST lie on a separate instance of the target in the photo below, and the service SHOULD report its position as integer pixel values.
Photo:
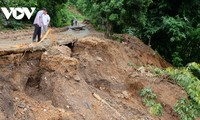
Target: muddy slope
(91, 79)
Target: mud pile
(90, 79)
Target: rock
(61, 110)
(68, 106)
(126, 95)
(141, 69)
(99, 59)
(45, 110)
(59, 59)
(118, 95)
(56, 50)
(22, 105)
(135, 75)
(16, 98)
(77, 78)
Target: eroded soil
(91, 79)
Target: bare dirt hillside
(91, 79)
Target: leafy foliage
(12, 23)
(156, 109)
(54, 8)
(187, 109)
(194, 68)
(172, 30)
(149, 98)
(189, 82)
(115, 14)
(69, 13)
(188, 78)
(169, 27)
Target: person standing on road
(38, 24)
(46, 20)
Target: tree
(53, 7)
(173, 30)
(115, 14)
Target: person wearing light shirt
(46, 20)
(38, 24)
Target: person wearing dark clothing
(37, 32)
(72, 22)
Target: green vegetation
(12, 23)
(187, 109)
(188, 78)
(70, 12)
(114, 15)
(194, 68)
(57, 9)
(149, 99)
(170, 27)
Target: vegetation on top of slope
(187, 108)
(70, 12)
(169, 27)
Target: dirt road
(11, 38)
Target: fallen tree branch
(44, 36)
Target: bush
(149, 99)
(188, 109)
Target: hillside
(94, 62)
(91, 78)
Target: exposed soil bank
(90, 79)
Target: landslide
(90, 79)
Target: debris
(61, 110)
(68, 106)
(126, 95)
(119, 95)
(45, 110)
(106, 103)
(21, 105)
(141, 70)
(16, 98)
(99, 59)
(45, 35)
(77, 78)
(87, 105)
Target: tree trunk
(109, 30)
(149, 43)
